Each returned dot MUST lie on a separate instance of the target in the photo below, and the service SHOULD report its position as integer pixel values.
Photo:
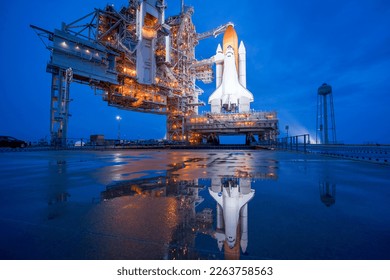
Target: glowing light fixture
(118, 118)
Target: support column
(59, 106)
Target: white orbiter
(233, 201)
(231, 94)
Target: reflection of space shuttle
(231, 94)
(232, 204)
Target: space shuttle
(233, 208)
(231, 94)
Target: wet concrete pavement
(154, 204)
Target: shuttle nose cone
(229, 51)
(231, 242)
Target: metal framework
(140, 60)
(209, 126)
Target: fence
(369, 153)
(294, 143)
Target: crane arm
(214, 32)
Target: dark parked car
(7, 141)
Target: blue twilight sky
(292, 48)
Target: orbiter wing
(217, 94)
(217, 197)
(244, 199)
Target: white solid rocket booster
(242, 64)
(218, 66)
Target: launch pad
(211, 126)
(140, 60)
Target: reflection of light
(171, 215)
(117, 158)
(64, 44)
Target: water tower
(326, 124)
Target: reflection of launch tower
(326, 125)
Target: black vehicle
(7, 141)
